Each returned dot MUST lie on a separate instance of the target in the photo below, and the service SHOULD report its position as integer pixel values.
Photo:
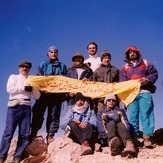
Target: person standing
(80, 71)
(19, 112)
(93, 59)
(52, 101)
(105, 73)
(138, 68)
(80, 121)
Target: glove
(28, 88)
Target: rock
(36, 148)
(64, 150)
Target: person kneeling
(113, 125)
(79, 123)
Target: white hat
(109, 96)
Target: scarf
(80, 109)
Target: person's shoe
(2, 160)
(17, 160)
(138, 143)
(114, 145)
(129, 148)
(147, 141)
(85, 148)
(49, 139)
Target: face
(110, 103)
(78, 61)
(80, 103)
(92, 50)
(24, 70)
(53, 54)
(106, 60)
(133, 55)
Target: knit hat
(105, 53)
(108, 97)
(25, 63)
(53, 48)
(131, 48)
(77, 54)
(79, 96)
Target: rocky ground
(64, 150)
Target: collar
(93, 56)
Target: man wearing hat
(106, 72)
(81, 121)
(80, 71)
(19, 112)
(52, 101)
(142, 107)
(113, 125)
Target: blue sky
(29, 27)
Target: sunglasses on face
(111, 100)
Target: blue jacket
(52, 68)
(88, 116)
(107, 115)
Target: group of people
(87, 121)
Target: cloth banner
(126, 91)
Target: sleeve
(93, 118)
(68, 117)
(64, 69)
(36, 94)
(40, 70)
(100, 125)
(12, 88)
(152, 73)
(123, 75)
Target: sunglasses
(111, 100)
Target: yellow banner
(126, 91)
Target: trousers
(17, 116)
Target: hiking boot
(49, 139)
(147, 141)
(85, 148)
(114, 145)
(138, 143)
(129, 148)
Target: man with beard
(146, 73)
(80, 122)
(79, 71)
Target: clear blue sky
(29, 27)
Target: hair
(92, 43)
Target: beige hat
(109, 96)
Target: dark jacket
(72, 73)
(107, 115)
(107, 74)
